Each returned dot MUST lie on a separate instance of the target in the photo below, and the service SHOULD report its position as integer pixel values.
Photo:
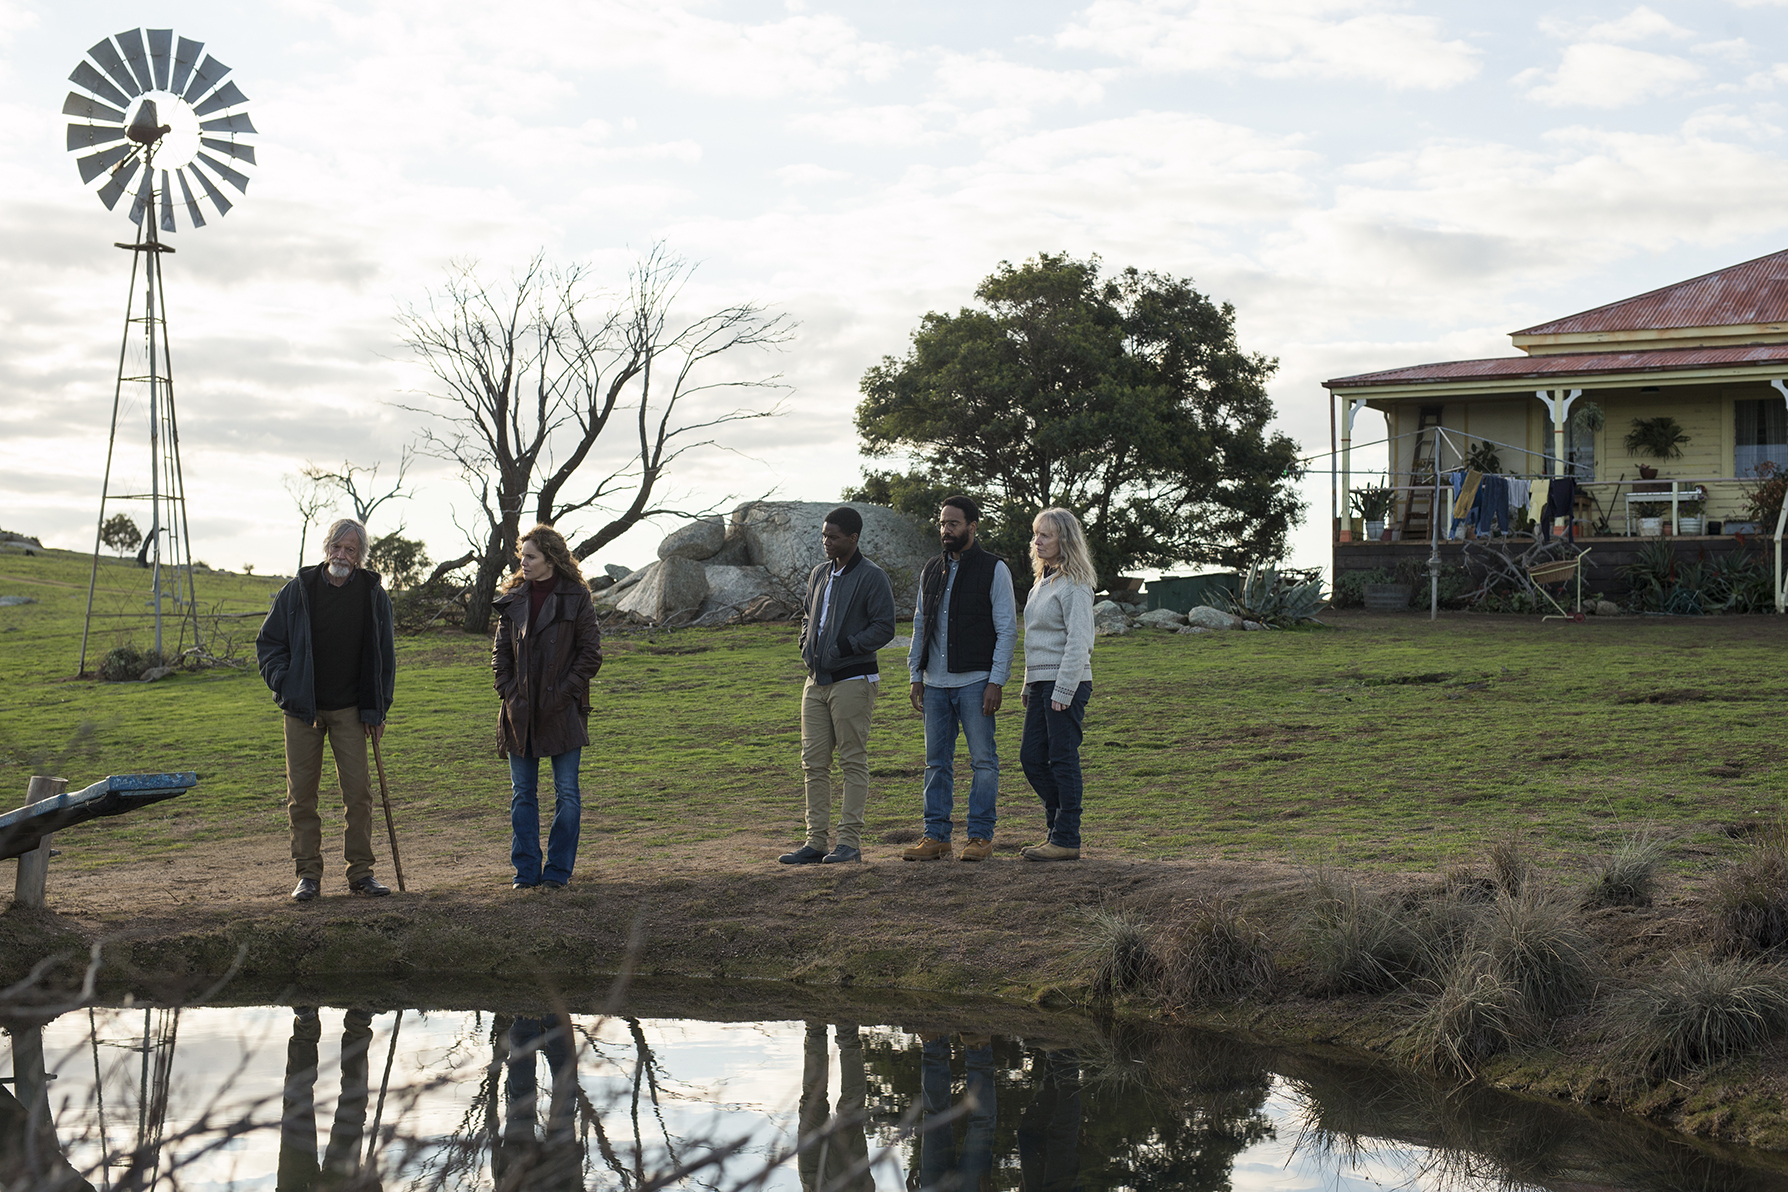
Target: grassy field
(1388, 742)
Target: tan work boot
(1051, 852)
(977, 849)
(928, 849)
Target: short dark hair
(971, 508)
(846, 519)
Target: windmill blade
(95, 164)
(185, 54)
(192, 204)
(205, 78)
(161, 53)
(239, 181)
(167, 205)
(112, 64)
(145, 197)
(237, 123)
(239, 152)
(90, 109)
(226, 96)
(86, 136)
(111, 192)
(131, 42)
(215, 195)
(85, 76)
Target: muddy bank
(768, 941)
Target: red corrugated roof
(1739, 295)
(1539, 368)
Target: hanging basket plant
(1660, 438)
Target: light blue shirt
(1005, 635)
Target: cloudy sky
(1370, 182)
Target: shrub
(1359, 941)
(1115, 950)
(1215, 953)
(126, 664)
(1536, 948)
(1273, 598)
(1750, 901)
(1629, 875)
(1473, 1015)
(1698, 1012)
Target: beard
(340, 570)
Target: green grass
(1393, 744)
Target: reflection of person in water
(943, 1167)
(1049, 1127)
(298, 1171)
(839, 1162)
(522, 1157)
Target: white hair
(340, 529)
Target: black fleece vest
(972, 638)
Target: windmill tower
(129, 85)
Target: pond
(853, 1099)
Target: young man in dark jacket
(328, 653)
(850, 615)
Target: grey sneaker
(843, 852)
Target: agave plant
(1272, 598)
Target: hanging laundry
(1561, 501)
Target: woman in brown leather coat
(548, 648)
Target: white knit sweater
(1058, 635)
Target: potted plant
(1374, 504)
(1658, 438)
(1688, 512)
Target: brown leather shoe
(977, 849)
(928, 849)
(1051, 852)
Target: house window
(1580, 450)
(1760, 432)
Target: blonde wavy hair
(1076, 562)
(552, 544)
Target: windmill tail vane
(128, 84)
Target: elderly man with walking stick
(328, 653)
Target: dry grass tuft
(1474, 1013)
(1213, 953)
(1697, 1012)
(1750, 901)
(1629, 875)
(1114, 951)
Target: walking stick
(390, 827)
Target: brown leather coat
(543, 671)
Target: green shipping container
(1183, 593)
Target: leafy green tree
(120, 533)
(400, 561)
(1125, 399)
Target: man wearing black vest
(965, 630)
(328, 653)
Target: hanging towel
(1520, 492)
(1467, 494)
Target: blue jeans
(1050, 755)
(945, 709)
(524, 819)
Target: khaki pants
(304, 770)
(836, 716)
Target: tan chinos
(304, 772)
(835, 716)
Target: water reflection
(356, 1099)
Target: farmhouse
(1710, 353)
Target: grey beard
(340, 570)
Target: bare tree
(365, 504)
(533, 376)
(312, 497)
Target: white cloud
(1368, 40)
(1638, 25)
(990, 77)
(1598, 75)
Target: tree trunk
(490, 569)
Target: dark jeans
(1050, 755)
(524, 819)
(942, 1166)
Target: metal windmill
(129, 85)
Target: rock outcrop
(754, 566)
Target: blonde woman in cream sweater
(1058, 676)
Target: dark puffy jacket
(283, 650)
(543, 671)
